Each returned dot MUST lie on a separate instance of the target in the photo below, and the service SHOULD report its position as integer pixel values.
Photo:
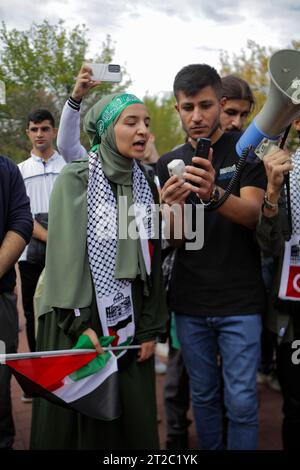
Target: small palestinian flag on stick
(77, 378)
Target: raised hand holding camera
(84, 82)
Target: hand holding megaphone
(282, 105)
(277, 164)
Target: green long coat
(67, 286)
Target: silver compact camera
(106, 72)
(176, 167)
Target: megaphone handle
(286, 182)
(285, 135)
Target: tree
(165, 124)
(38, 67)
(251, 64)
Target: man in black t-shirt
(216, 292)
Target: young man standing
(216, 292)
(39, 172)
(237, 103)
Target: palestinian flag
(84, 381)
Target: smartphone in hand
(106, 72)
(202, 149)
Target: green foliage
(251, 64)
(165, 124)
(38, 67)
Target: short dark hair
(192, 78)
(40, 115)
(235, 88)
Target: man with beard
(212, 289)
(237, 103)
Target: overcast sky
(155, 38)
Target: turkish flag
(293, 285)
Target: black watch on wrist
(215, 195)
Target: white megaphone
(282, 105)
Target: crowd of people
(96, 248)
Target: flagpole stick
(63, 352)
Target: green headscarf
(99, 124)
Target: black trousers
(30, 274)
(289, 379)
(9, 338)
(176, 395)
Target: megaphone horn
(283, 102)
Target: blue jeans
(237, 340)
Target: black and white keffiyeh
(295, 191)
(289, 288)
(114, 297)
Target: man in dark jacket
(280, 237)
(15, 232)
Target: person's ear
(177, 107)
(151, 138)
(223, 101)
(296, 124)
